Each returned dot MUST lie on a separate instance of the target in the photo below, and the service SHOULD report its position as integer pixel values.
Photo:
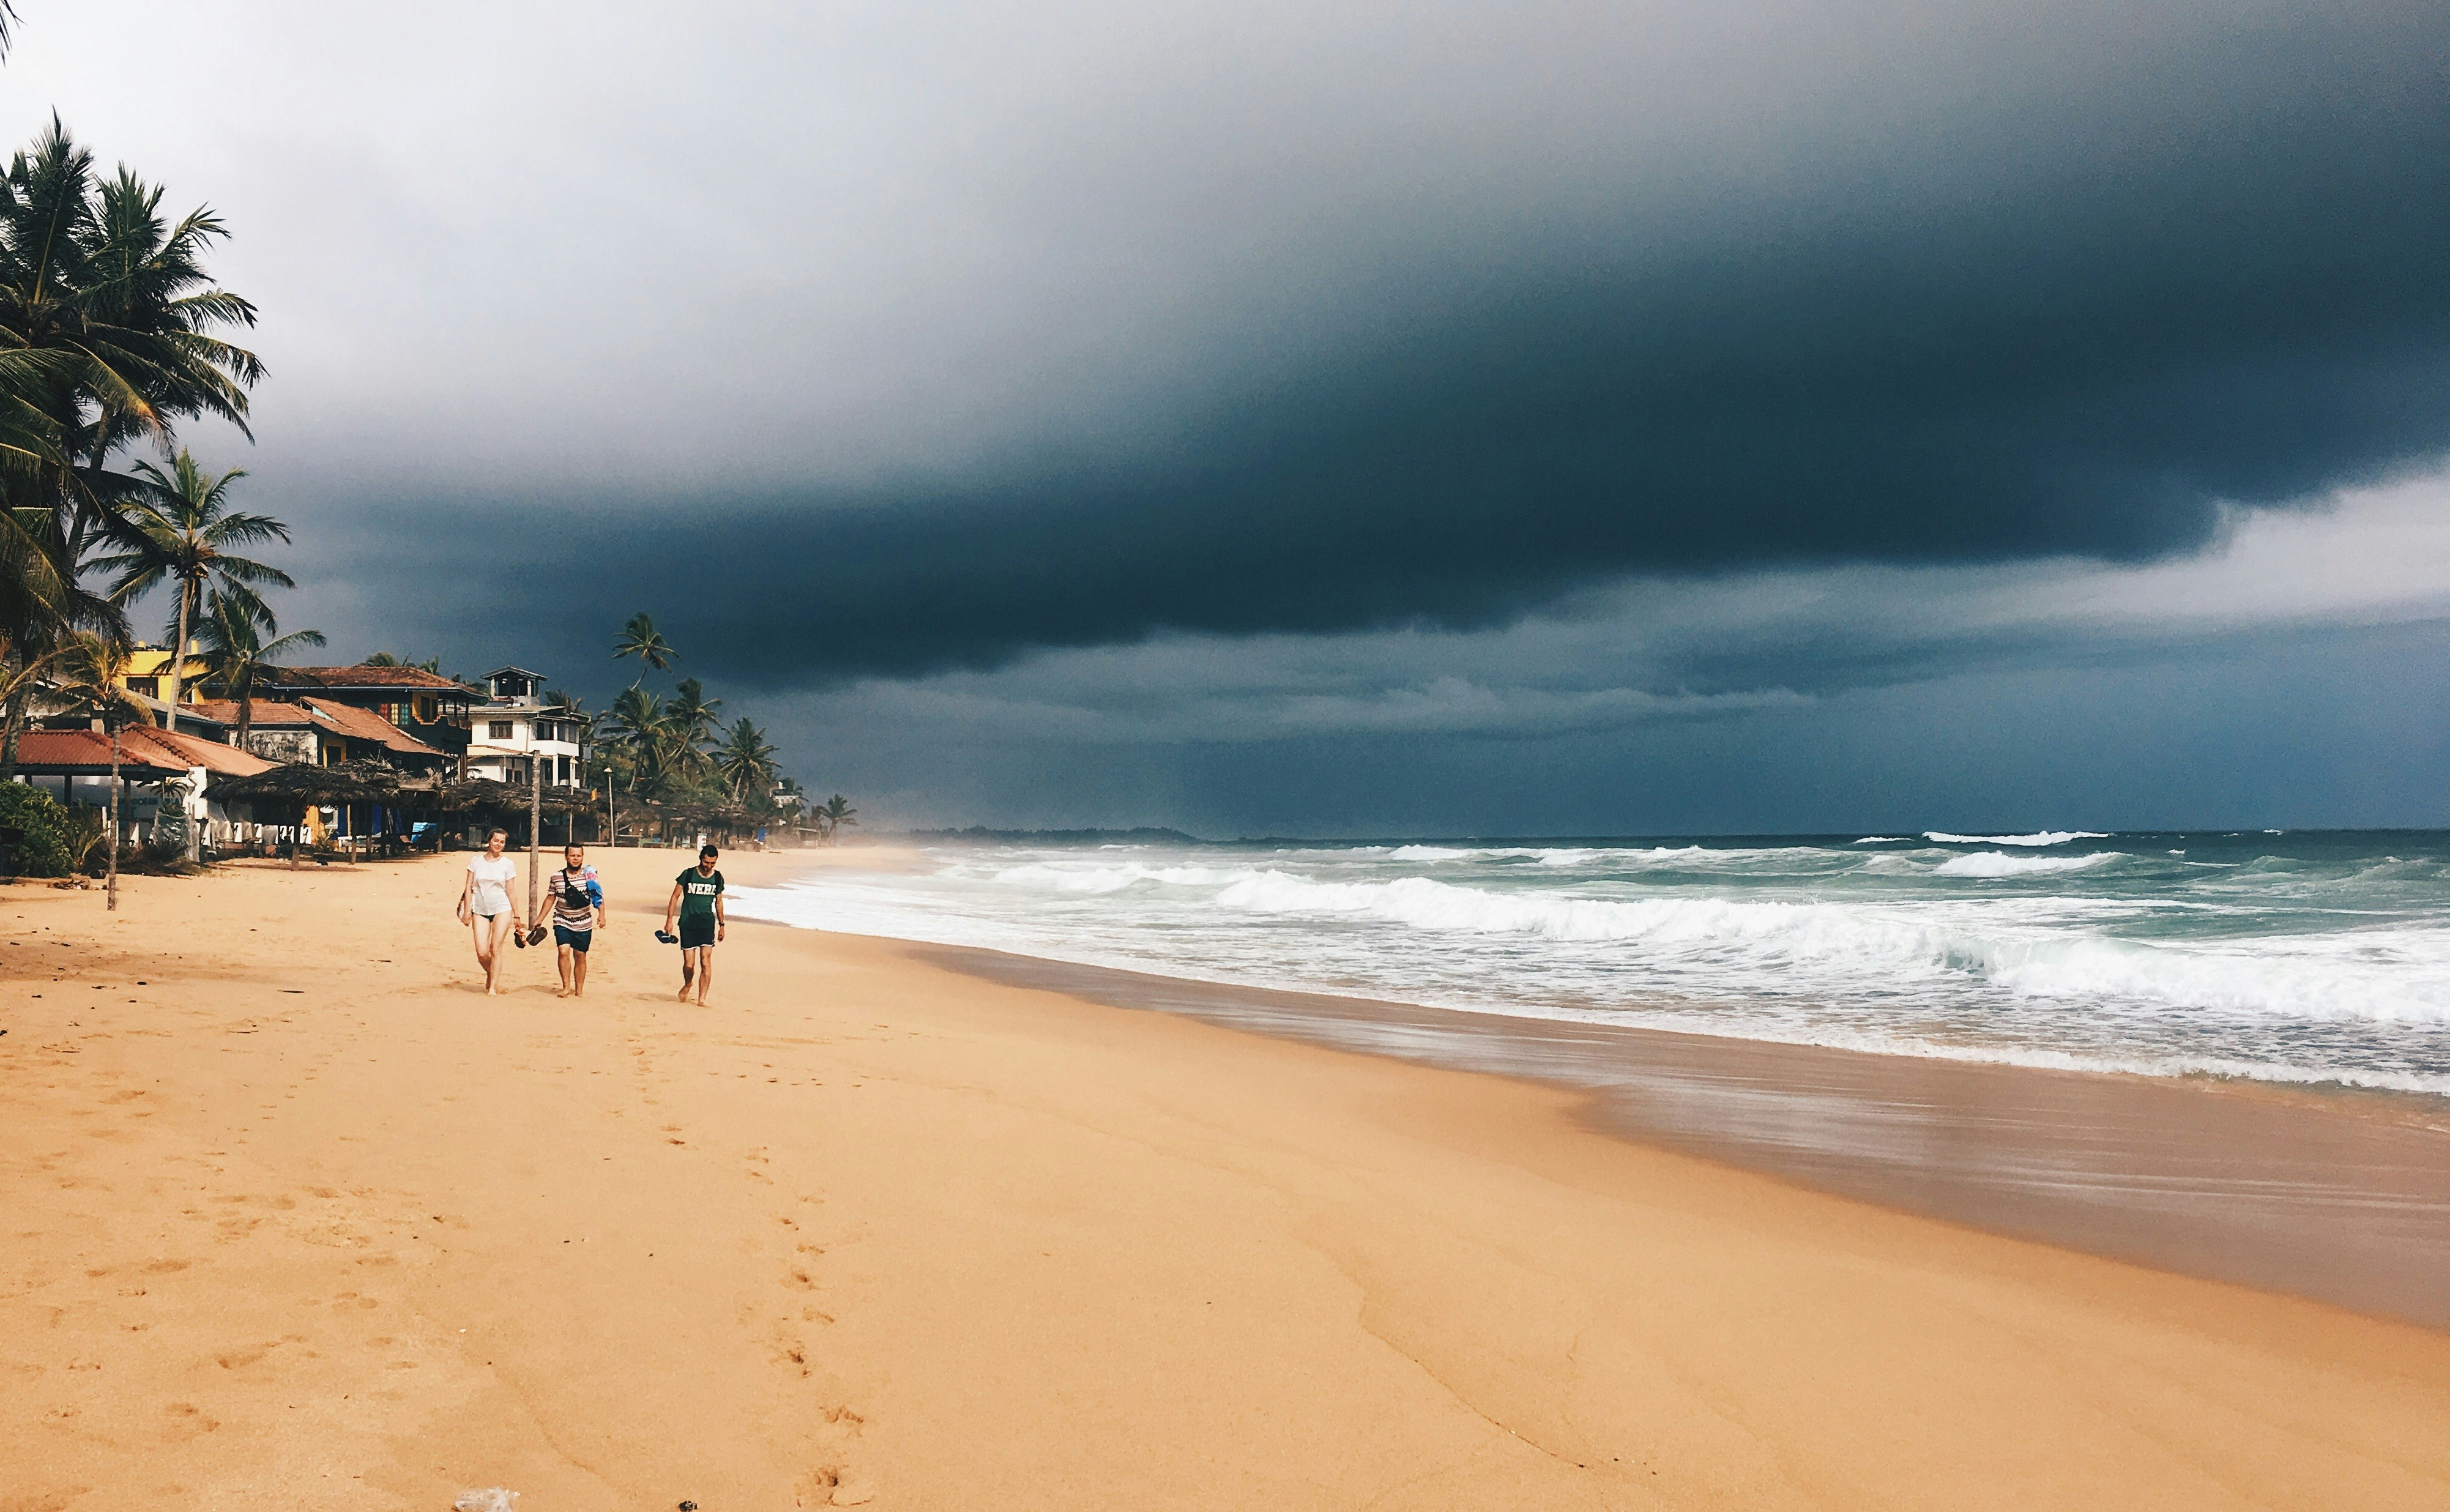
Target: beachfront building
(320, 733)
(515, 733)
(148, 674)
(432, 710)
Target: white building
(514, 726)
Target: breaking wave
(2047, 837)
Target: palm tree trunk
(110, 884)
(179, 652)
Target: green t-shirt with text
(699, 893)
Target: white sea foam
(2315, 963)
(1996, 864)
(2047, 837)
(1880, 839)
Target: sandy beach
(295, 1216)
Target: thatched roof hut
(297, 782)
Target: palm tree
(236, 653)
(91, 269)
(834, 813)
(639, 638)
(746, 760)
(641, 730)
(107, 331)
(91, 671)
(41, 603)
(179, 528)
(694, 716)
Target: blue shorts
(577, 940)
(697, 932)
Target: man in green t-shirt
(697, 902)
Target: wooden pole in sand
(110, 882)
(536, 822)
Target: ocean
(2301, 958)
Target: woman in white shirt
(485, 905)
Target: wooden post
(110, 885)
(536, 820)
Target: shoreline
(306, 1218)
(2340, 1198)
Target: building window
(563, 764)
(149, 687)
(498, 729)
(426, 710)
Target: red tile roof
(144, 753)
(413, 678)
(228, 759)
(84, 752)
(365, 724)
(267, 712)
(324, 713)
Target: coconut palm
(745, 761)
(92, 270)
(695, 713)
(834, 813)
(179, 528)
(639, 638)
(236, 653)
(41, 603)
(107, 331)
(650, 743)
(92, 671)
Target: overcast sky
(1537, 418)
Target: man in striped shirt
(577, 908)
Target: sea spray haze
(2287, 958)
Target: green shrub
(86, 827)
(34, 832)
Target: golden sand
(291, 1215)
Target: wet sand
(2345, 1198)
(292, 1215)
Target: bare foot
(684, 995)
(561, 991)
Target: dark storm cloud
(2076, 325)
(859, 340)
